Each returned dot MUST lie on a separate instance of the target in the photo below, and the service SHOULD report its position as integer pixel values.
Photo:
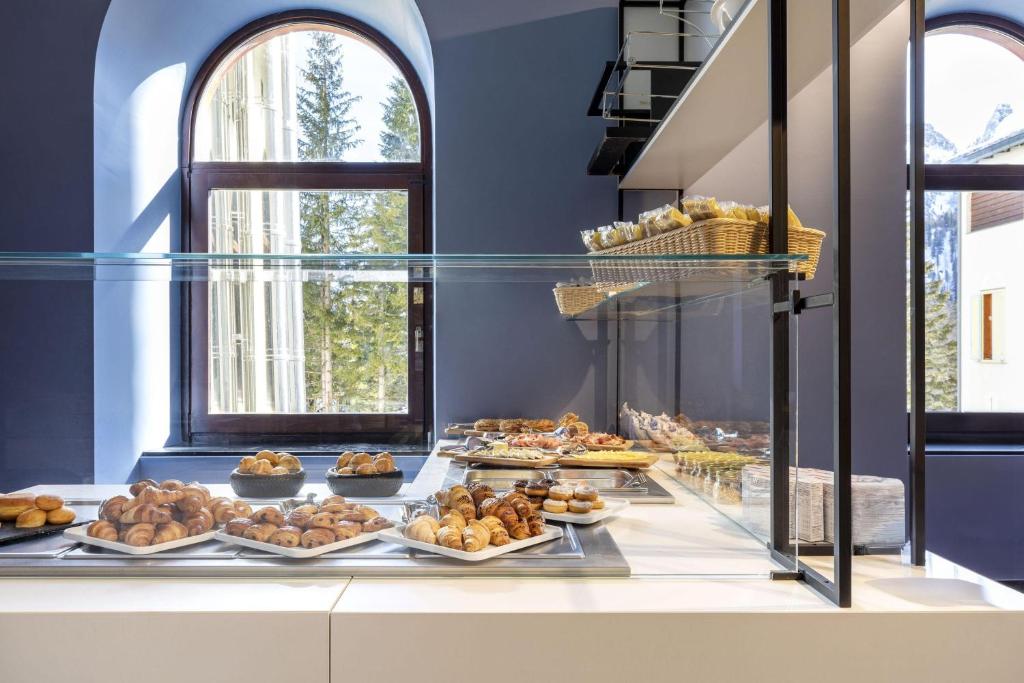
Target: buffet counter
(697, 606)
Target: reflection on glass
(307, 345)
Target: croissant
(535, 522)
(480, 492)
(242, 509)
(171, 531)
(499, 534)
(519, 530)
(139, 535)
(460, 499)
(222, 509)
(112, 508)
(475, 536)
(519, 502)
(154, 496)
(194, 498)
(314, 538)
(502, 510)
(199, 522)
(138, 486)
(145, 513)
(423, 529)
(102, 528)
(171, 485)
(454, 519)
(450, 537)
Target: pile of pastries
(572, 426)
(365, 464)
(516, 425)
(309, 526)
(29, 511)
(474, 517)
(601, 439)
(557, 497)
(269, 462)
(161, 512)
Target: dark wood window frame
(967, 427)
(199, 178)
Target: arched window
(974, 223)
(306, 132)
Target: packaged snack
(663, 219)
(589, 239)
(701, 208)
(765, 211)
(610, 236)
(743, 212)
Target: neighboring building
(991, 303)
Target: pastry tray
(625, 463)
(395, 535)
(298, 552)
(625, 446)
(79, 534)
(12, 534)
(544, 461)
(612, 506)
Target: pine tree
(400, 140)
(327, 133)
(941, 371)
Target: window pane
(307, 93)
(974, 97)
(974, 326)
(319, 346)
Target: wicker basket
(574, 300)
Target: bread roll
(289, 462)
(13, 504)
(262, 467)
(246, 464)
(269, 456)
(31, 518)
(47, 502)
(62, 515)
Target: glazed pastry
(261, 531)
(450, 537)
(360, 459)
(338, 507)
(153, 496)
(475, 536)
(199, 522)
(311, 509)
(424, 529)
(246, 464)
(548, 482)
(520, 485)
(377, 523)
(314, 538)
(455, 519)
(279, 470)
(269, 456)
(268, 514)
(103, 529)
(30, 519)
(326, 520)
(597, 504)
(499, 534)
(289, 462)
(536, 502)
(367, 512)
(171, 531)
(536, 488)
(242, 509)
(222, 509)
(356, 527)
(480, 492)
(519, 502)
(560, 492)
(460, 499)
(585, 493)
(365, 469)
(535, 522)
(500, 509)
(298, 519)
(171, 485)
(262, 467)
(137, 488)
(147, 513)
(555, 506)
(333, 500)
(46, 502)
(139, 535)
(346, 530)
(191, 502)
(287, 537)
(580, 506)
(237, 526)
(112, 508)
(62, 515)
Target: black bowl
(364, 485)
(267, 485)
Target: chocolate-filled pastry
(338, 507)
(480, 492)
(316, 537)
(199, 522)
(171, 531)
(520, 485)
(62, 515)
(137, 488)
(260, 532)
(171, 485)
(353, 526)
(298, 519)
(242, 509)
(537, 489)
(287, 537)
(112, 508)
(237, 526)
(345, 531)
(333, 500)
(31, 519)
(502, 510)
(268, 514)
(325, 520)
(377, 523)
(139, 535)
(311, 509)
(519, 502)
(367, 512)
(536, 524)
(103, 529)
(146, 513)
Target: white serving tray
(297, 552)
(79, 535)
(395, 535)
(612, 506)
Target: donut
(521, 485)
(580, 506)
(560, 492)
(555, 506)
(597, 504)
(535, 488)
(585, 492)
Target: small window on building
(990, 326)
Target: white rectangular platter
(299, 552)
(394, 535)
(79, 534)
(612, 506)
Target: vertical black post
(779, 242)
(917, 285)
(843, 517)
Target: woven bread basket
(574, 300)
